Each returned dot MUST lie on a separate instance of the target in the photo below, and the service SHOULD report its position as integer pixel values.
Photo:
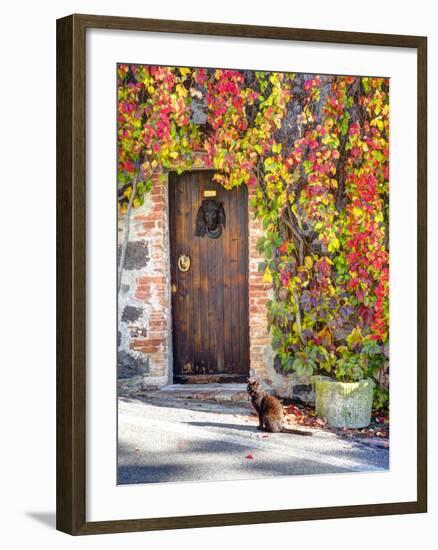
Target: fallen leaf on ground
(298, 415)
(249, 457)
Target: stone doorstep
(201, 392)
(129, 386)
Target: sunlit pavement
(169, 440)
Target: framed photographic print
(241, 288)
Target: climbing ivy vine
(316, 151)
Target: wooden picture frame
(71, 273)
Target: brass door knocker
(184, 263)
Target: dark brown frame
(71, 233)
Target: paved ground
(173, 440)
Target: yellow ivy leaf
(333, 245)
(267, 276)
(354, 338)
(378, 217)
(308, 262)
(326, 334)
(182, 92)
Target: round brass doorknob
(184, 263)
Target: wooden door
(210, 299)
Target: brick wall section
(258, 293)
(152, 287)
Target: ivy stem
(127, 224)
(298, 318)
(295, 232)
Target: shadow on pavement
(241, 427)
(221, 407)
(153, 473)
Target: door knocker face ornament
(210, 219)
(184, 263)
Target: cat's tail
(295, 432)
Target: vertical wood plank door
(210, 300)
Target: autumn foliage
(316, 149)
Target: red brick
(257, 309)
(149, 225)
(152, 216)
(158, 287)
(156, 317)
(258, 303)
(141, 296)
(258, 342)
(160, 335)
(149, 279)
(157, 325)
(259, 348)
(256, 294)
(148, 349)
(258, 287)
(136, 342)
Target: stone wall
(144, 299)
